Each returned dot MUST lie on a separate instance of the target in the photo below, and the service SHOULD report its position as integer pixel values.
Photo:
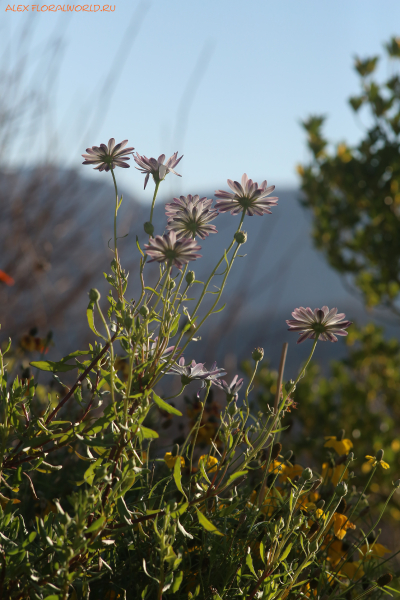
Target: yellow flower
(334, 473)
(211, 464)
(341, 447)
(274, 466)
(352, 570)
(291, 472)
(375, 550)
(269, 504)
(171, 460)
(340, 525)
(374, 462)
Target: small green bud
(232, 408)
(190, 277)
(257, 354)
(384, 579)
(341, 489)
(379, 455)
(397, 483)
(340, 435)
(240, 237)
(128, 321)
(314, 546)
(350, 457)
(288, 385)
(306, 474)
(119, 305)
(94, 295)
(171, 284)
(144, 311)
(148, 228)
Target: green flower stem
(117, 205)
(208, 386)
(109, 340)
(300, 376)
(154, 201)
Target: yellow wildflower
(340, 525)
(211, 464)
(291, 472)
(375, 551)
(340, 446)
(352, 570)
(334, 473)
(373, 461)
(171, 460)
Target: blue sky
(226, 83)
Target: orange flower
(171, 460)
(340, 446)
(6, 278)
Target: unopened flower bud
(232, 408)
(288, 385)
(276, 450)
(190, 277)
(144, 311)
(379, 455)
(341, 489)
(128, 322)
(306, 474)
(171, 284)
(257, 354)
(148, 228)
(350, 457)
(314, 546)
(94, 295)
(340, 435)
(384, 579)
(397, 483)
(316, 484)
(240, 237)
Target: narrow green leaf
(178, 578)
(236, 475)
(98, 524)
(219, 310)
(204, 522)
(178, 476)
(164, 406)
(181, 509)
(146, 434)
(249, 563)
(55, 367)
(90, 318)
(286, 552)
(138, 245)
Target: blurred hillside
(53, 239)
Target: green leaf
(90, 318)
(177, 513)
(89, 473)
(98, 524)
(219, 310)
(204, 522)
(286, 552)
(249, 563)
(146, 434)
(178, 577)
(178, 476)
(54, 367)
(164, 406)
(138, 245)
(236, 475)
(52, 597)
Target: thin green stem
(154, 201)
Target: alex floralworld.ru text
(61, 8)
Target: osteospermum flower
(108, 157)
(156, 166)
(196, 371)
(166, 248)
(248, 196)
(190, 215)
(323, 323)
(231, 390)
